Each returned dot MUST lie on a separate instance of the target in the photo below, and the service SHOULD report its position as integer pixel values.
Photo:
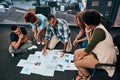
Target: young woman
(38, 22)
(84, 33)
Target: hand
(79, 56)
(62, 54)
(35, 36)
(44, 51)
(74, 42)
(21, 35)
(87, 29)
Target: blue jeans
(83, 44)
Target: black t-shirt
(14, 37)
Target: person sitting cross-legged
(19, 40)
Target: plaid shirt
(61, 31)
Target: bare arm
(38, 34)
(65, 46)
(35, 32)
(88, 31)
(81, 40)
(24, 39)
(17, 44)
(80, 34)
(78, 37)
(44, 51)
(64, 49)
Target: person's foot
(82, 78)
(78, 78)
(43, 43)
(12, 55)
(32, 47)
(38, 42)
(88, 77)
(85, 77)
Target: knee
(51, 47)
(76, 52)
(29, 43)
(69, 50)
(74, 56)
(11, 51)
(76, 63)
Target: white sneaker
(32, 47)
(12, 55)
(38, 42)
(42, 43)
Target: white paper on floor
(48, 64)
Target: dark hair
(13, 27)
(50, 16)
(92, 17)
(30, 17)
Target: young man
(19, 40)
(60, 31)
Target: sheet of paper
(33, 58)
(26, 70)
(46, 65)
(70, 66)
(39, 53)
(49, 69)
(68, 56)
(38, 69)
(45, 69)
(22, 62)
